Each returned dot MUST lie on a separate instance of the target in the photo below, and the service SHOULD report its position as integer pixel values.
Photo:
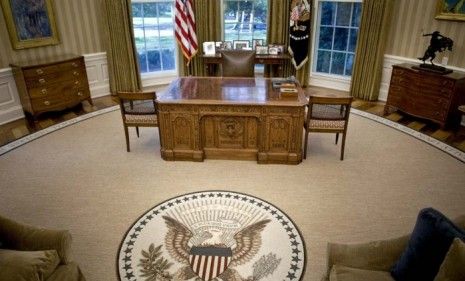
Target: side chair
(138, 109)
(238, 63)
(327, 114)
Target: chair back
(327, 108)
(137, 103)
(238, 63)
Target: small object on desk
(288, 92)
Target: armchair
(367, 261)
(20, 242)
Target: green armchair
(367, 261)
(30, 253)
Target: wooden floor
(20, 128)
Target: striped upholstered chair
(138, 109)
(327, 114)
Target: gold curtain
(278, 32)
(208, 23)
(121, 50)
(369, 54)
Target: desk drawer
(49, 69)
(45, 80)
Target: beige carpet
(81, 178)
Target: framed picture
(261, 50)
(209, 48)
(227, 45)
(257, 42)
(450, 10)
(277, 46)
(273, 50)
(30, 24)
(241, 44)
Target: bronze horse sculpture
(438, 43)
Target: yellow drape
(121, 50)
(369, 54)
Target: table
(230, 118)
(212, 61)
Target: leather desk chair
(238, 63)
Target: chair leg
(126, 133)
(337, 137)
(137, 131)
(343, 145)
(305, 145)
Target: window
(245, 20)
(336, 36)
(154, 35)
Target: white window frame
(163, 77)
(333, 81)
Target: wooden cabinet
(51, 85)
(427, 95)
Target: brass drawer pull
(46, 102)
(76, 73)
(75, 64)
(43, 91)
(79, 94)
(41, 80)
(39, 71)
(76, 82)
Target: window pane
(352, 39)
(337, 64)
(356, 14)
(344, 10)
(150, 10)
(349, 64)
(168, 59)
(143, 62)
(328, 10)
(340, 39)
(323, 61)
(136, 10)
(154, 60)
(326, 38)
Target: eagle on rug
(212, 259)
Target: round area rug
(212, 235)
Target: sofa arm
(376, 255)
(22, 237)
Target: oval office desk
(212, 61)
(230, 118)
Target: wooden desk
(230, 118)
(211, 62)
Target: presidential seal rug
(212, 235)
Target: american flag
(185, 28)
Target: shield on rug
(212, 235)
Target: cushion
(453, 266)
(430, 240)
(27, 265)
(344, 273)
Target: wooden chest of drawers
(426, 95)
(51, 85)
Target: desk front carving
(263, 127)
